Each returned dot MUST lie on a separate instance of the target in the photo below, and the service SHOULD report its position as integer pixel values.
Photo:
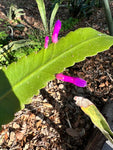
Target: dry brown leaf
(15, 125)
(19, 135)
(24, 117)
(47, 105)
(32, 116)
(43, 148)
(105, 99)
(6, 136)
(106, 83)
(61, 86)
(102, 85)
(103, 77)
(38, 123)
(12, 136)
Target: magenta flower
(46, 42)
(75, 80)
(56, 30)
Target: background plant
(11, 50)
(14, 12)
(14, 50)
(80, 8)
(69, 23)
(42, 10)
(3, 38)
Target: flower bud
(56, 30)
(46, 42)
(74, 80)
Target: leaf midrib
(46, 64)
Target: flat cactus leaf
(21, 80)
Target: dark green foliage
(12, 51)
(16, 49)
(3, 38)
(81, 7)
(69, 24)
(38, 36)
(14, 12)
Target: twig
(109, 75)
(11, 33)
(68, 120)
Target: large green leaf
(42, 10)
(21, 80)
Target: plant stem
(108, 16)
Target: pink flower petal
(46, 42)
(74, 80)
(79, 82)
(55, 38)
(56, 30)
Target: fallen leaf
(12, 136)
(106, 83)
(19, 135)
(47, 105)
(15, 125)
(38, 123)
(103, 77)
(102, 85)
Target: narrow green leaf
(53, 14)
(21, 80)
(96, 117)
(42, 10)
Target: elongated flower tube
(46, 42)
(56, 30)
(75, 80)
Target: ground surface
(53, 121)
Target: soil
(52, 121)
